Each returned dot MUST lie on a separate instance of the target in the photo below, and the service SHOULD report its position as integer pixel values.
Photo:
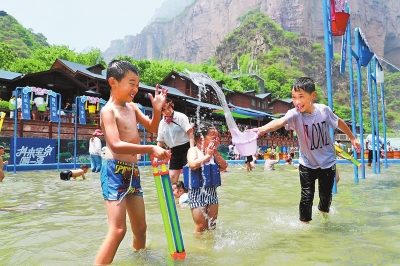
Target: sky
(82, 23)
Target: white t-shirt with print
(316, 145)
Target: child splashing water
(204, 200)
(239, 138)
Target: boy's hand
(256, 130)
(158, 100)
(356, 145)
(160, 153)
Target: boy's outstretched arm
(343, 127)
(270, 127)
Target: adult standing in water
(95, 150)
(175, 131)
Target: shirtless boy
(119, 175)
(67, 174)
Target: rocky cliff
(194, 35)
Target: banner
(53, 108)
(26, 105)
(34, 151)
(81, 110)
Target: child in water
(317, 159)
(67, 174)
(180, 192)
(204, 200)
(119, 174)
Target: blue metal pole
(384, 121)
(371, 112)
(76, 127)
(328, 48)
(58, 96)
(359, 96)
(376, 115)
(352, 100)
(18, 90)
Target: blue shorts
(202, 197)
(119, 178)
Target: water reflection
(45, 221)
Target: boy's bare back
(78, 172)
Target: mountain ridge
(194, 35)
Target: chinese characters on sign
(26, 106)
(53, 109)
(27, 100)
(31, 155)
(33, 151)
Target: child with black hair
(176, 132)
(317, 157)
(119, 174)
(204, 200)
(180, 192)
(67, 174)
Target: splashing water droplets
(239, 138)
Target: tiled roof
(262, 95)
(76, 67)
(8, 75)
(206, 105)
(171, 90)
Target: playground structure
(55, 114)
(83, 104)
(364, 57)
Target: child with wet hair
(120, 174)
(204, 200)
(317, 159)
(180, 192)
(67, 174)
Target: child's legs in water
(325, 184)
(116, 213)
(307, 181)
(137, 218)
(204, 218)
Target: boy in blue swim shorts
(119, 178)
(119, 174)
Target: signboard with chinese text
(26, 105)
(81, 110)
(53, 108)
(34, 151)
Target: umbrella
(91, 92)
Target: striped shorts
(202, 197)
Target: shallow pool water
(46, 221)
